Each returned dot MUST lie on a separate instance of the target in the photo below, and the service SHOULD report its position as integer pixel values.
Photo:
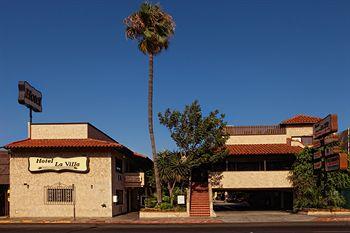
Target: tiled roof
(301, 119)
(62, 143)
(139, 155)
(262, 149)
(255, 130)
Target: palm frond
(151, 26)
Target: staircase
(199, 205)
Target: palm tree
(152, 28)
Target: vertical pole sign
(30, 97)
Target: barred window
(59, 195)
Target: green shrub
(309, 187)
(165, 206)
(166, 199)
(150, 202)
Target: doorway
(4, 204)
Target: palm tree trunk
(150, 128)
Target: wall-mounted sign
(181, 200)
(326, 126)
(58, 164)
(29, 96)
(134, 180)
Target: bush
(165, 206)
(150, 202)
(166, 199)
(309, 187)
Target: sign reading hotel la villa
(58, 164)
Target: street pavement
(262, 216)
(221, 228)
(225, 217)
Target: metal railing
(59, 194)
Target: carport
(258, 199)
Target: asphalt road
(221, 228)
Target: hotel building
(255, 174)
(74, 170)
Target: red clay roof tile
(301, 119)
(62, 143)
(140, 155)
(262, 149)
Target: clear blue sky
(259, 62)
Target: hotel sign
(134, 180)
(29, 96)
(58, 164)
(326, 126)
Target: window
(248, 166)
(118, 197)
(59, 195)
(119, 165)
(305, 140)
(279, 165)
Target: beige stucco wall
(299, 131)
(270, 139)
(66, 131)
(256, 139)
(59, 131)
(93, 189)
(250, 179)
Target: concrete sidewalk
(240, 217)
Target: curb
(142, 222)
